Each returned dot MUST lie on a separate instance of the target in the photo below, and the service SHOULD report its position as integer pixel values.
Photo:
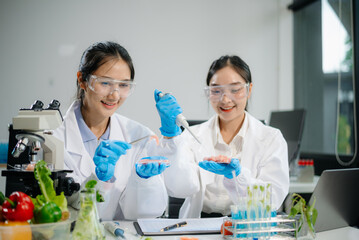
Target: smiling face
(228, 107)
(101, 107)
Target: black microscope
(31, 140)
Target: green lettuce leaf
(42, 175)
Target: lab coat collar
(116, 132)
(254, 135)
(74, 144)
(217, 136)
(72, 132)
(86, 134)
(253, 125)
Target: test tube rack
(279, 227)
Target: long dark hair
(234, 62)
(98, 54)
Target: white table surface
(302, 187)
(347, 233)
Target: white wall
(172, 44)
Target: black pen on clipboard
(177, 225)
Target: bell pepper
(18, 207)
(48, 213)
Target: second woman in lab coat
(258, 153)
(97, 139)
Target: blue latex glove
(168, 109)
(106, 155)
(222, 168)
(152, 168)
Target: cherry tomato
(226, 232)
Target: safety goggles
(234, 91)
(105, 86)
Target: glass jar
(88, 225)
(307, 230)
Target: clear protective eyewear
(234, 91)
(105, 86)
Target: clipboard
(195, 226)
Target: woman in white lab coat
(257, 153)
(97, 139)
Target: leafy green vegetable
(49, 207)
(99, 197)
(91, 184)
(42, 175)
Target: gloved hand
(149, 169)
(106, 155)
(168, 109)
(222, 168)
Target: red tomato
(226, 232)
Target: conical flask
(88, 225)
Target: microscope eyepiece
(67, 185)
(54, 105)
(37, 106)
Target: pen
(177, 225)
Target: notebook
(153, 226)
(337, 199)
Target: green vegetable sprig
(91, 184)
(307, 213)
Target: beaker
(88, 225)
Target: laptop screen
(337, 199)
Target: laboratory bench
(347, 233)
(295, 186)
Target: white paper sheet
(193, 225)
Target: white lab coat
(264, 159)
(129, 196)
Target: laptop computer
(337, 199)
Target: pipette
(236, 200)
(181, 121)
